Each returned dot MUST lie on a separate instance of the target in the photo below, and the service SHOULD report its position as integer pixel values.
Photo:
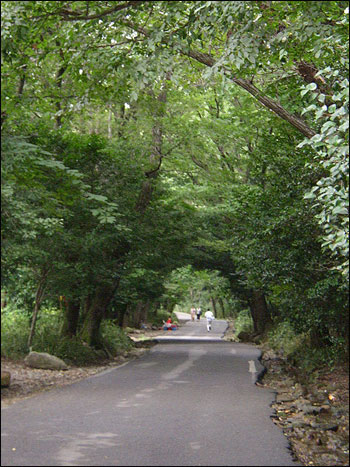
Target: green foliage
(299, 349)
(127, 166)
(71, 350)
(14, 333)
(114, 338)
(160, 316)
(243, 322)
(310, 358)
(189, 287)
(330, 195)
(15, 328)
(284, 339)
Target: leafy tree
(204, 138)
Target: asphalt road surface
(190, 401)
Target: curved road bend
(188, 402)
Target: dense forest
(168, 153)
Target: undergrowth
(15, 327)
(243, 322)
(299, 350)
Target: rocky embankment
(312, 410)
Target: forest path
(181, 404)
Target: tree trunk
(213, 302)
(90, 332)
(3, 299)
(259, 311)
(109, 121)
(144, 311)
(22, 79)
(71, 318)
(138, 315)
(152, 313)
(222, 306)
(59, 80)
(121, 315)
(127, 314)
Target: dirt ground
(314, 416)
(26, 381)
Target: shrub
(14, 333)
(73, 351)
(160, 316)
(283, 338)
(115, 338)
(243, 322)
(300, 350)
(15, 328)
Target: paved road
(185, 403)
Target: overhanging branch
(267, 102)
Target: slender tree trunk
(121, 315)
(3, 299)
(213, 302)
(22, 79)
(59, 79)
(38, 300)
(221, 303)
(126, 316)
(109, 121)
(138, 314)
(259, 311)
(145, 311)
(153, 311)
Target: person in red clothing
(167, 324)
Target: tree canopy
(158, 152)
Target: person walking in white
(209, 315)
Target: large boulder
(5, 379)
(44, 361)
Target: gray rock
(310, 409)
(285, 397)
(330, 427)
(44, 361)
